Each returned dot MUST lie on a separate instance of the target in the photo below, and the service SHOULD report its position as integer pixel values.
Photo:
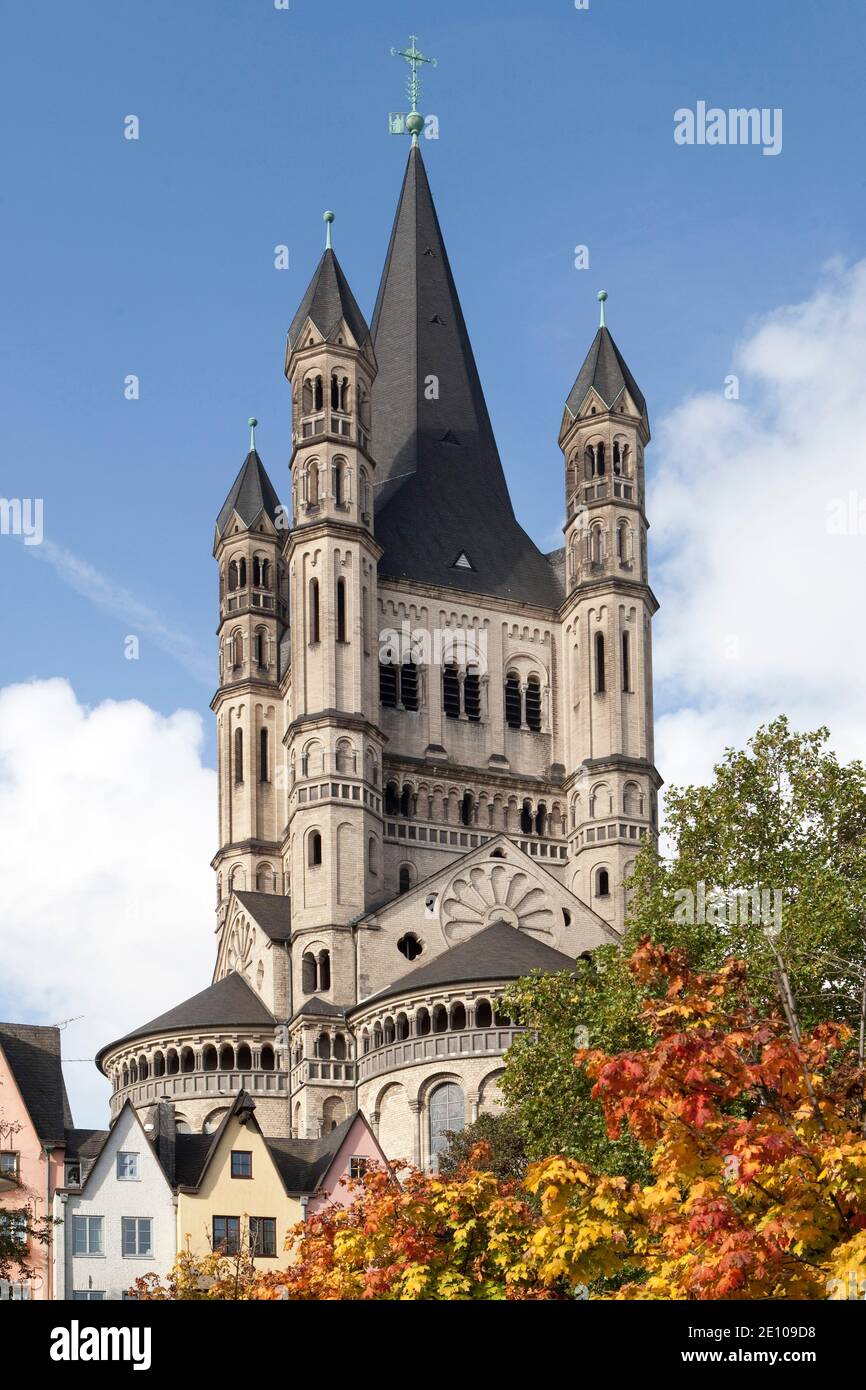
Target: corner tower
(253, 616)
(606, 616)
(334, 744)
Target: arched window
(526, 819)
(239, 756)
(339, 1047)
(457, 1019)
(472, 694)
(324, 970)
(440, 1019)
(406, 802)
(409, 684)
(602, 883)
(405, 878)
(632, 801)
(341, 611)
(533, 704)
(237, 650)
(323, 1047)
(158, 1064)
(541, 820)
(599, 460)
(341, 483)
(422, 1022)
(263, 756)
(596, 545)
(599, 663)
(260, 647)
(345, 756)
(447, 1116)
(314, 849)
(622, 543)
(187, 1059)
(373, 855)
(589, 461)
(227, 1057)
(483, 1014)
(268, 1061)
(392, 799)
(309, 973)
(513, 712)
(311, 479)
(451, 692)
(388, 685)
(467, 807)
(314, 610)
(209, 1058)
(626, 662)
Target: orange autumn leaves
(758, 1190)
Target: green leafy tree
(768, 863)
(503, 1142)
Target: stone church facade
(435, 743)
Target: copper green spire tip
(328, 218)
(602, 296)
(415, 58)
(252, 422)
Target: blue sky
(155, 257)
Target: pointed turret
(328, 303)
(440, 489)
(606, 372)
(252, 493)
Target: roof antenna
(252, 422)
(602, 296)
(328, 218)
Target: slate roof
(190, 1153)
(319, 1008)
(303, 1163)
(440, 488)
(230, 1003)
(33, 1053)
(500, 952)
(84, 1146)
(328, 301)
(606, 370)
(251, 494)
(272, 911)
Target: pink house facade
(358, 1148)
(34, 1114)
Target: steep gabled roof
(33, 1054)
(230, 1003)
(272, 912)
(251, 494)
(499, 952)
(605, 370)
(329, 302)
(440, 490)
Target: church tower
(334, 744)
(253, 617)
(607, 613)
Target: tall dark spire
(443, 513)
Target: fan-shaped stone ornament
(491, 893)
(241, 943)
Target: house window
(242, 1163)
(72, 1174)
(136, 1233)
(263, 1235)
(87, 1235)
(88, 1295)
(358, 1166)
(9, 1166)
(13, 1226)
(127, 1167)
(227, 1235)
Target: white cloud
(763, 602)
(108, 827)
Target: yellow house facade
(231, 1194)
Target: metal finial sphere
(252, 422)
(602, 294)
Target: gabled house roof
(33, 1054)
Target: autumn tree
(195, 1278)
(769, 858)
(504, 1147)
(754, 1130)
